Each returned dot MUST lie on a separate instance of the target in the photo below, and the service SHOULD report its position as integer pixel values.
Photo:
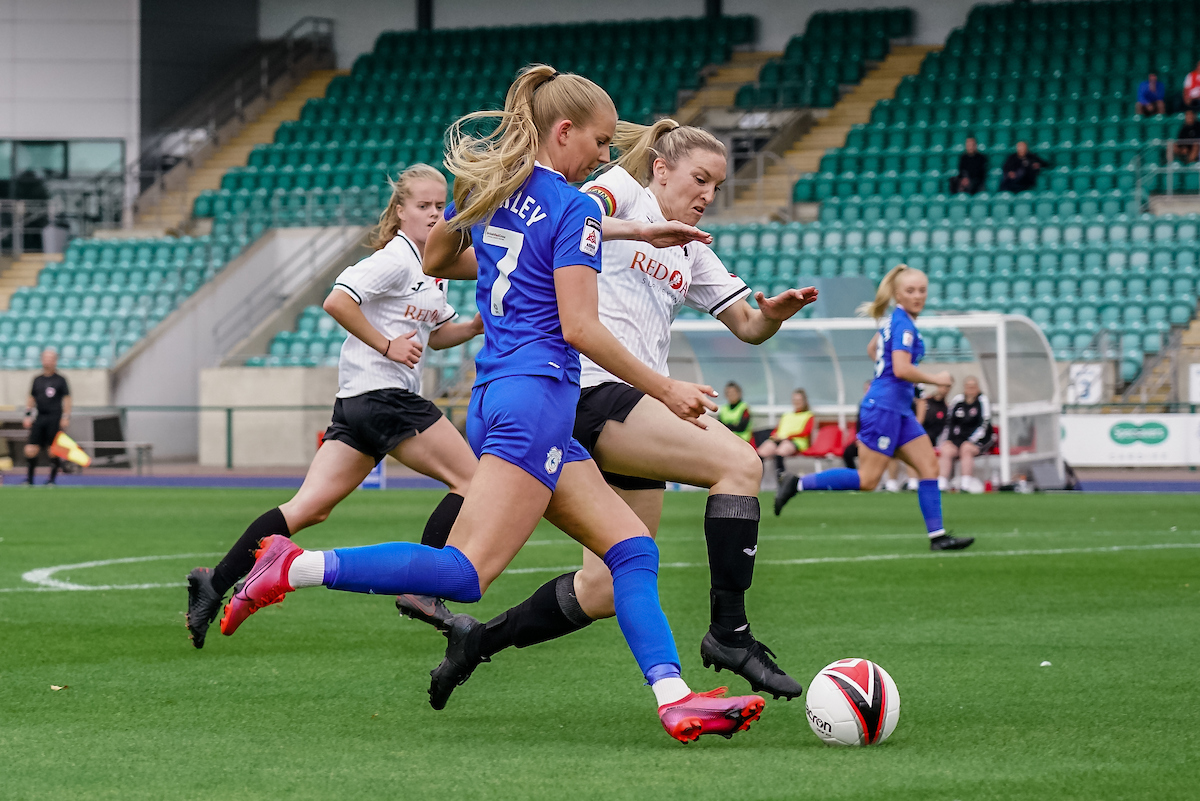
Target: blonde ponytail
(884, 295)
(488, 169)
(389, 221)
(640, 145)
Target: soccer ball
(853, 702)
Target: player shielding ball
(887, 426)
(537, 247)
(392, 311)
(667, 175)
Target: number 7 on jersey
(512, 242)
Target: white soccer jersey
(396, 298)
(642, 288)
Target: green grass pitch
(324, 695)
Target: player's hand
(784, 306)
(672, 233)
(27, 422)
(689, 401)
(943, 378)
(64, 422)
(477, 324)
(405, 350)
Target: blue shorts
(883, 430)
(526, 421)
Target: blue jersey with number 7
(546, 224)
(898, 332)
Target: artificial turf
(324, 695)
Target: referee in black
(51, 397)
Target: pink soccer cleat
(266, 584)
(709, 713)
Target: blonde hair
(389, 221)
(886, 294)
(488, 169)
(666, 139)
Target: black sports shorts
(599, 404)
(375, 422)
(984, 446)
(44, 430)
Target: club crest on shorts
(553, 460)
(884, 442)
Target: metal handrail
(728, 197)
(1158, 157)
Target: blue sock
(840, 478)
(930, 499)
(634, 567)
(394, 568)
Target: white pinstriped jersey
(642, 288)
(396, 297)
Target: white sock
(668, 691)
(307, 570)
(935, 534)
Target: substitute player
(635, 439)
(887, 426)
(392, 311)
(537, 244)
(51, 397)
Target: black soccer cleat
(789, 485)
(753, 663)
(462, 657)
(203, 604)
(426, 609)
(948, 542)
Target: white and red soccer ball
(853, 702)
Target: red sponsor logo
(420, 315)
(658, 271)
(677, 280)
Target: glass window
(45, 159)
(6, 149)
(88, 157)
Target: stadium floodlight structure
(828, 359)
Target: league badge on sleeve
(907, 339)
(589, 241)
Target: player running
(537, 242)
(666, 173)
(887, 426)
(392, 311)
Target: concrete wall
(88, 387)
(359, 22)
(69, 69)
(267, 438)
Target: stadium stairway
(175, 208)
(1163, 379)
(23, 272)
(831, 130)
(721, 87)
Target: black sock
(552, 611)
(731, 531)
(55, 464)
(32, 467)
(237, 563)
(779, 467)
(437, 528)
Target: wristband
(389, 347)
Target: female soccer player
(537, 247)
(666, 174)
(886, 423)
(392, 311)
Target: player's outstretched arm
(451, 334)
(904, 369)
(448, 254)
(578, 304)
(758, 325)
(668, 234)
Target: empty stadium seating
(832, 51)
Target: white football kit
(642, 288)
(396, 297)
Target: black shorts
(984, 446)
(375, 422)
(599, 404)
(44, 430)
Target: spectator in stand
(735, 414)
(968, 433)
(1151, 98)
(1191, 89)
(1021, 170)
(793, 435)
(1186, 151)
(972, 170)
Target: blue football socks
(930, 499)
(840, 478)
(634, 567)
(394, 568)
